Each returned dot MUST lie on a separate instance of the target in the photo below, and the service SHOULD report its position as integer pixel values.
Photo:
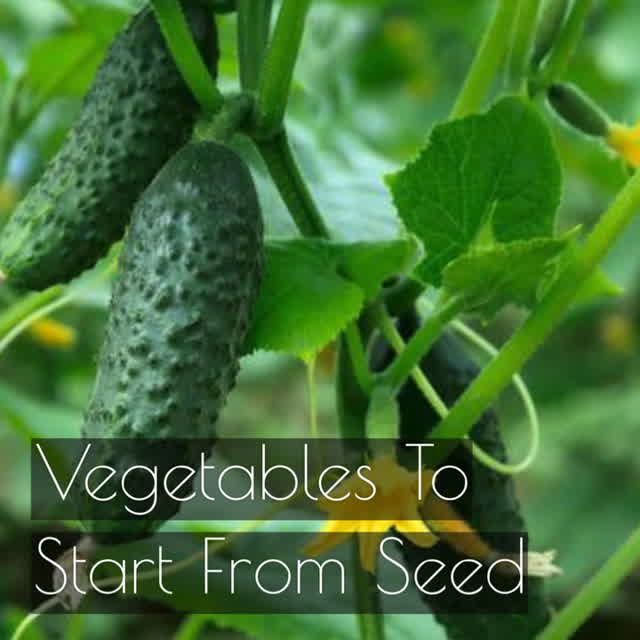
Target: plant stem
(523, 40)
(421, 341)
(228, 121)
(351, 401)
(530, 408)
(26, 306)
(7, 111)
(595, 592)
(187, 57)
(393, 337)
(370, 618)
(551, 23)
(284, 171)
(272, 142)
(490, 54)
(565, 45)
(254, 19)
(277, 72)
(496, 376)
(352, 405)
(358, 356)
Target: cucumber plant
(477, 207)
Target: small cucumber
(189, 275)
(578, 110)
(493, 507)
(137, 114)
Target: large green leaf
(494, 176)
(313, 289)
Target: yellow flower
(53, 334)
(396, 499)
(626, 141)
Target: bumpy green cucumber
(137, 114)
(493, 507)
(189, 276)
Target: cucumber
(189, 276)
(493, 507)
(137, 114)
(578, 110)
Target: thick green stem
(595, 592)
(284, 171)
(254, 19)
(371, 622)
(523, 40)
(551, 23)
(24, 307)
(271, 140)
(187, 57)
(420, 343)
(352, 403)
(566, 43)
(277, 72)
(228, 121)
(489, 57)
(497, 375)
(358, 356)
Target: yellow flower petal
(325, 541)
(417, 531)
(395, 500)
(626, 141)
(53, 334)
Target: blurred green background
(373, 78)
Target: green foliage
(488, 278)
(481, 199)
(494, 175)
(313, 289)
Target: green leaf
(304, 303)
(312, 289)
(32, 418)
(489, 278)
(498, 169)
(103, 20)
(63, 65)
(369, 264)
(383, 417)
